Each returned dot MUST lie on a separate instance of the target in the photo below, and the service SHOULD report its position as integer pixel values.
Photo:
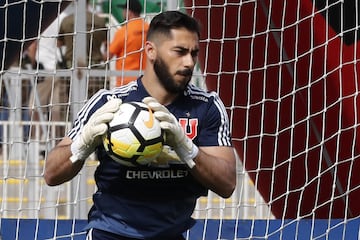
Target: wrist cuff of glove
(78, 150)
(190, 163)
(75, 158)
(187, 154)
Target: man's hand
(175, 135)
(90, 136)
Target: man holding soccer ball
(154, 201)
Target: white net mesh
(287, 72)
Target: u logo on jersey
(190, 127)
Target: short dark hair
(132, 5)
(165, 21)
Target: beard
(161, 69)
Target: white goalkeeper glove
(175, 135)
(91, 134)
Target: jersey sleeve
(216, 129)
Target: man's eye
(194, 54)
(180, 51)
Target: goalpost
(287, 71)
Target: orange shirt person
(128, 42)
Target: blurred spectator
(45, 92)
(43, 55)
(151, 6)
(96, 39)
(128, 42)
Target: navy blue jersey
(158, 199)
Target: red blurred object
(295, 116)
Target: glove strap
(190, 162)
(75, 158)
(187, 151)
(79, 150)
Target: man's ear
(150, 50)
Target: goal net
(287, 71)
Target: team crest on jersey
(190, 126)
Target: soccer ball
(134, 136)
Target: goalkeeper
(130, 202)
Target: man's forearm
(218, 174)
